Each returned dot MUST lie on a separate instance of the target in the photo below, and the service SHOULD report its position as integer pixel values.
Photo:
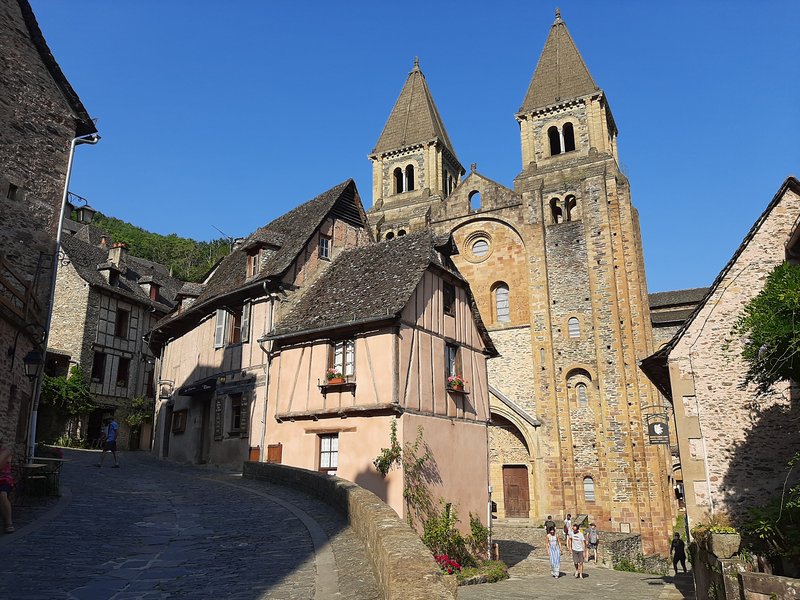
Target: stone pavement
(153, 530)
(530, 577)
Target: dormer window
(153, 292)
(253, 262)
(325, 247)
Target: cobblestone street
(154, 530)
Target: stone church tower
(557, 270)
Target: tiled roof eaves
(656, 363)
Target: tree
(770, 326)
(68, 395)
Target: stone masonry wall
(747, 440)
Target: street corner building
(399, 328)
(213, 365)
(733, 445)
(39, 135)
(556, 268)
(106, 301)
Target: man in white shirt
(578, 546)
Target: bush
(440, 535)
(490, 570)
(68, 441)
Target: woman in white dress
(554, 550)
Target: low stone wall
(403, 566)
(760, 586)
(717, 577)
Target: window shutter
(246, 322)
(350, 357)
(219, 331)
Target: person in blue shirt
(109, 441)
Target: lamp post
(92, 138)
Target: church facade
(556, 267)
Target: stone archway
(510, 469)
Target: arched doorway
(510, 465)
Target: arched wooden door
(515, 491)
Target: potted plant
(334, 376)
(456, 382)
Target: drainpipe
(92, 138)
(273, 297)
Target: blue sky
(228, 114)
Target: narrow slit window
(569, 137)
(398, 180)
(583, 401)
(555, 141)
(574, 327)
(502, 310)
(588, 489)
(409, 178)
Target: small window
(13, 190)
(329, 453)
(235, 331)
(569, 208)
(98, 366)
(452, 361)
(409, 178)
(236, 413)
(588, 489)
(569, 137)
(480, 247)
(179, 421)
(574, 327)
(153, 292)
(245, 329)
(343, 357)
(325, 246)
(581, 392)
(113, 278)
(252, 264)
(448, 298)
(123, 372)
(121, 325)
(555, 140)
(398, 181)
(501, 304)
(390, 235)
(401, 233)
(475, 200)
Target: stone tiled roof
(677, 297)
(371, 283)
(414, 118)
(83, 123)
(670, 316)
(560, 74)
(190, 289)
(86, 257)
(291, 232)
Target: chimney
(118, 253)
(103, 242)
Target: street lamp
(85, 214)
(32, 361)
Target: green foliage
(139, 410)
(773, 529)
(769, 328)
(389, 456)
(441, 536)
(417, 470)
(492, 570)
(188, 259)
(68, 395)
(623, 563)
(68, 441)
(479, 536)
(719, 522)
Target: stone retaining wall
(403, 566)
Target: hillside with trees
(188, 259)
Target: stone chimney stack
(117, 254)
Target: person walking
(578, 546)
(567, 529)
(549, 523)
(110, 441)
(594, 539)
(554, 550)
(6, 485)
(678, 551)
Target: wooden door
(515, 492)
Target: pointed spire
(414, 118)
(560, 74)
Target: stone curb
(403, 566)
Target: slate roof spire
(414, 118)
(560, 74)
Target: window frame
(332, 452)
(576, 322)
(345, 361)
(101, 369)
(452, 360)
(179, 418)
(498, 317)
(235, 401)
(325, 246)
(592, 488)
(448, 298)
(123, 381)
(122, 323)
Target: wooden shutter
(219, 331)
(246, 322)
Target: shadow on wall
(758, 464)
(371, 480)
